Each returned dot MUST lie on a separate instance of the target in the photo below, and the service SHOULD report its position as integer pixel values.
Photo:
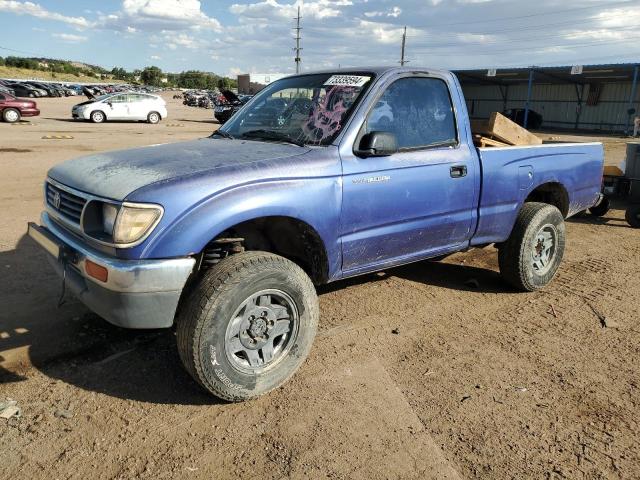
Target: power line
(19, 51)
(497, 19)
(526, 40)
(582, 25)
(297, 48)
(511, 50)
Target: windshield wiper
(264, 134)
(223, 134)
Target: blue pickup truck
(320, 177)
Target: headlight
(135, 221)
(109, 214)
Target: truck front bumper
(134, 294)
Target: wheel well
(552, 193)
(284, 236)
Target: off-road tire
(632, 215)
(97, 116)
(203, 320)
(11, 115)
(516, 253)
(601, 209)
(153, 118)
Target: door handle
(458, 171)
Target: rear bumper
(137, 293)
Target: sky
(235, 36)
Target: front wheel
(248, 325)
(532, 254)
(97, 116)
(153, 117)
(601, 209)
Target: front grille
(69, 205)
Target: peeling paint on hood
(117, 174)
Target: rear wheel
(97, 116)
(632, 215)
(248, 325)
(10, 115)
(153, 117)
(532, 254)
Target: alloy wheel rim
(544, 249)
(262, 331)
(12, 116)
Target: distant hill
(29, 74)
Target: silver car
(122, 106)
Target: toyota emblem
(56, 200)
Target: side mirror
(377, 144)
(110, 104)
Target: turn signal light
(96, 271)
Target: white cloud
(181, 40)
(394, 12)
(619, 17)
(155, 57)
(271, 9)
(160, 14)
(36, 10)
(69, 37)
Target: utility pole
(404, 40)
(297, 39)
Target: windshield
(306, 109)
(102, 97)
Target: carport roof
(617, 72)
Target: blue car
(319, 177)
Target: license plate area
(45, 239)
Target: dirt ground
(433, 370)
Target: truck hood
(117, 174)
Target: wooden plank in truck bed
(480, 141)
(501, 128)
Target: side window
(417, 110)
(1, 97)
(119, 99)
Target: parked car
(8, 90)
(534, 119)
(230, 104)
(12, 109)
(25, 90)
(122, 106)
(237, 228)
(49, 89)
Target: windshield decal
(326, 117)
(347, 80)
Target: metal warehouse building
(580, 98)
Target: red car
(12, 109)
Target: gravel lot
(434, 370)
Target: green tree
(151, 76)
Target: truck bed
(576, 167)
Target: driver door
(419, 201)
(118, 107)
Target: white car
(122, 106)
